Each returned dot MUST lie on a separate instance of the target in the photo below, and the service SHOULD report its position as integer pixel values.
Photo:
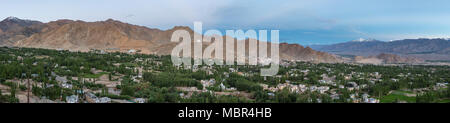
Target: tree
(104, 91)
(127, 90)
(13, 90)
(448, 92)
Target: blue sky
(306, 22)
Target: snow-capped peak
(15, 19)
(363, 40)
(12, 18)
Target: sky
(306, 22)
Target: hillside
(428, 49)
(13, 29)
(112, 35)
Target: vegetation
(157, 80)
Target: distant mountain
(13, 23)
(392, 59)
(428, 49)
(13, 29)
(384, 58)
(112, 35)
(298, 52)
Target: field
(400, 96)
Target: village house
(323, 89)
(207, 83)
(223, 87)
(91, 98)
(66, 85)
(104, 100)
(139, 100)
(132, 51)
(72, 99)
(232, 70)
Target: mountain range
(427, 49)
(113, 35)
(13, 29)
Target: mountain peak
(363, 40)
(111, 20)
(12, 18)
(181, 27)
(187, 28)
(104, 35)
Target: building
(66, 85)
(139, 100)
(104, 100)
(61, 79)
(91, 98)
(72, 99)
(323, 89)
(131, 51)
(34, 75)
(207, 83)
(232, 70)
(334, 96)
(222, 86)
(312, 88)
(371, 100)
(441, 84)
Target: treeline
(284, 96)
(242, 84)
(173, 79)
(434, 96)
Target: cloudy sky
(306, 22)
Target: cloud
(330, 19)
(180, 12)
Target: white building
(66, 85)
(132, 51)
(72, 99)
(139, 100)
(104, 100)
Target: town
(29, 75)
